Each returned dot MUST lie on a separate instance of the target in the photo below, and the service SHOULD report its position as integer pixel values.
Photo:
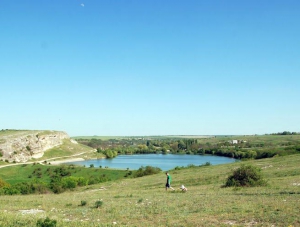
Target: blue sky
(132, 67)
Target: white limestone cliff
(22, 146)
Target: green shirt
(169, 179)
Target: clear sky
(150, 67)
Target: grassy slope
(144, 201)
(67, 149)
(21, 173)
(255, 139)
(138, 137)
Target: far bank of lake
(163, 161)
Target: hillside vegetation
(239, 147)
(144, 202)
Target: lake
(163, 161)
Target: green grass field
(139, 137)
(30, 172)
(144, 201)
(67, 149)
(254, 139)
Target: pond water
(163, 161)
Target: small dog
(184, 189)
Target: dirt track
(65, 159)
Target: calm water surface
(165, 162)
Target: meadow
(42, 173)
(145, 202)
(69, 149)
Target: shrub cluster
(148, 170)
(192, 166)
(3, 183)
(98, 204)
(245, 176)
(24, 188)
(47, 222)
(61, 179)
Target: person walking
(168, 184)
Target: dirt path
(69, 158)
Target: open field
(144, 137)
(100, 137)
(255, 140)
(206, 137)
(41, 173)
(144, 201)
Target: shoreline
(66, 161)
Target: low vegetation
(40, 179)
(144, 201)
(47, 222)
(259, 191)
(148, 170)
(245, 176)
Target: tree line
(241, 150)
(285, 133)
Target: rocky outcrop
(21, 146)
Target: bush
(99, 179)
(129, 173)
(41, 188)
(46, 223)
(56, 186)
(83, 203)
(62, 171)
(69, 182)
(8, 190)
(3, 183)
(206, 164)
(245, 176)
(25, 188)
(148, 170)
(81, 181)
(98, 204)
